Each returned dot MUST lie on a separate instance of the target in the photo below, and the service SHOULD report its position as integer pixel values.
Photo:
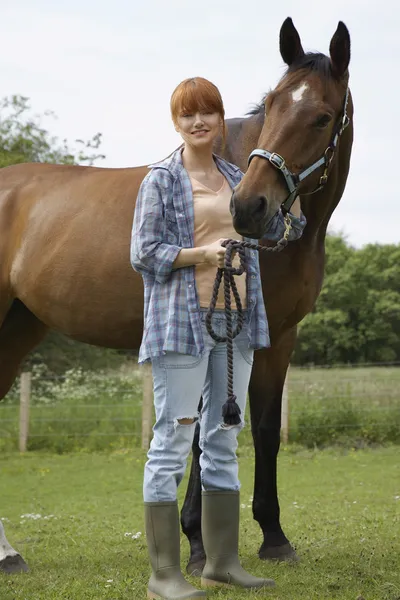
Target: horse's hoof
(195, 566)
(13, 564)
(281, 553)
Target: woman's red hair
(197, 94)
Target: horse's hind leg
(20, 332)
(10, 560)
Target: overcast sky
(111, 66)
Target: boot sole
(153, 596)
(212, 583)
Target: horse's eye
(323, 121)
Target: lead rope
(230, 410)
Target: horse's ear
(339, 50)
(289, 42)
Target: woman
(181, 217)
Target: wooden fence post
(147, 407)
(25, 399)
(285, 411)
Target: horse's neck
(242, 137)
(318, 208)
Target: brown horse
(64, 247)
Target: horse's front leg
(10, 560)
(265, 392)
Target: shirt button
(180, 215)
(254, 276)
(254, 254)
(190, 285)
(251, 300)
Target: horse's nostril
(260, 205)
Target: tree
(24, 139)
(357, 316)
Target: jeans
(179, 381)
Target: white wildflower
(133, 536)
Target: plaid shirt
(164, 224)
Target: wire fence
(321, 405)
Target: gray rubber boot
(220, 530)
(163, 541)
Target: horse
(64, 246)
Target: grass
(340, 508)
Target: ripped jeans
(179, 381)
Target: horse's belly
(98, 316)
(89, 296)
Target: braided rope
(231, 410)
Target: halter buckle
(345, 123)
(277, 160)
(323, 179)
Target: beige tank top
(212, 221)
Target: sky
(111, 67)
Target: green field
(341, 509)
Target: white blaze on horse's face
(297, 94)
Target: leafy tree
(357, 316)
(24, 139)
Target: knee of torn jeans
(185, 421)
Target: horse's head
(304, 118)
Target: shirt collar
(174, 165)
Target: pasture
(77, 520)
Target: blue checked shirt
(164, 224)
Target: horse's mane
(310, 61)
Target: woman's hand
(215, 255)
(212, 254)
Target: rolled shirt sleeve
(149, 251)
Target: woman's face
(199, 129)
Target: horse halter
(293, 180)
